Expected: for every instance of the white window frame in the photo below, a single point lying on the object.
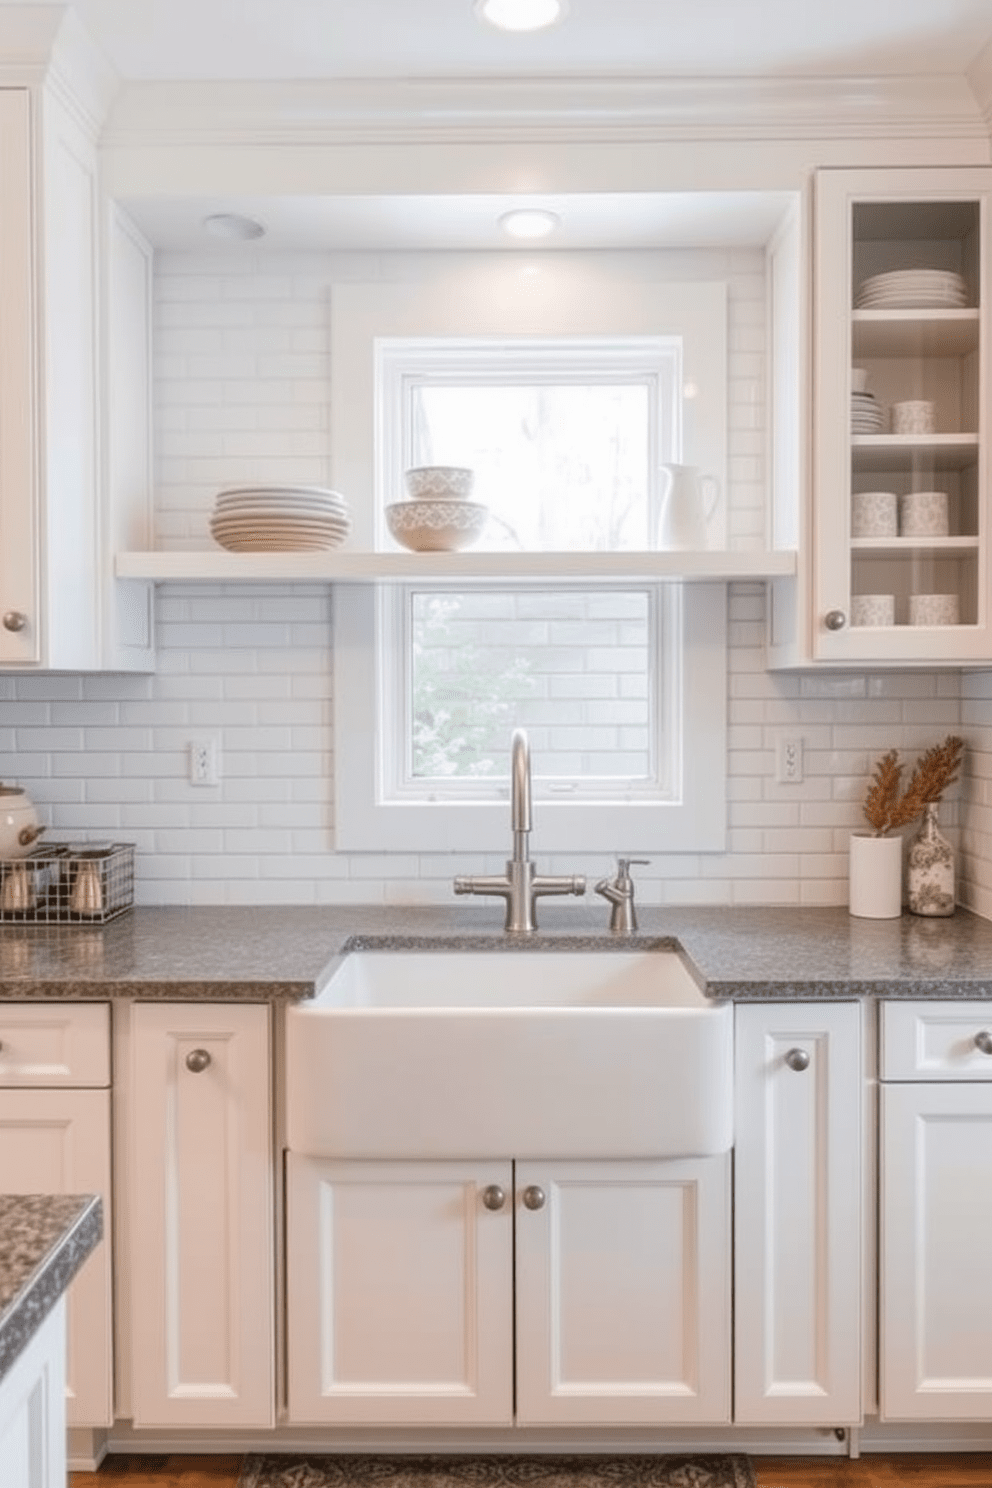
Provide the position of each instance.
(403, 363)
(369, 818)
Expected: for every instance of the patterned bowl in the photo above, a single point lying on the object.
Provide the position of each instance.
(439, 482)
(436, 526)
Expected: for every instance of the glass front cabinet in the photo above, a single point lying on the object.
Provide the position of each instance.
(901, 400)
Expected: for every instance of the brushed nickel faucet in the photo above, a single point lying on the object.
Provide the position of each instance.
(619, 890)
(520, 886)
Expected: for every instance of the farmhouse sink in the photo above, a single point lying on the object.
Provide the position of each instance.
(510, 1054)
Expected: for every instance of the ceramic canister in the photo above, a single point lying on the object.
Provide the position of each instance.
(19, 829)
(923, 514)
(934, 609)
(915, 416)
(873, 609)
(874, 514)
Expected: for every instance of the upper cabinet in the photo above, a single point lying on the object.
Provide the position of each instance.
(70, 464)
(900, 531)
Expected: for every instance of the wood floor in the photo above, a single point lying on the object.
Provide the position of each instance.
(871, 1471)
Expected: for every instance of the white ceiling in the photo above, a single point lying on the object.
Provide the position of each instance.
(308, 39)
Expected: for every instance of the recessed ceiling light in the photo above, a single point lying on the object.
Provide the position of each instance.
(233, 225)
(529, 223)
(520, 15)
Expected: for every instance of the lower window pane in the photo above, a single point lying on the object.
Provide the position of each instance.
(573, 668)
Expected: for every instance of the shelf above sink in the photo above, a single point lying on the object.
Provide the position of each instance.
(337, 566)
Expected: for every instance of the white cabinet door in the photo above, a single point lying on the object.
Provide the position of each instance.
(400, 1292)
(20, 578)
(201, 1222)
(903, 295)
(623, 1292)
(32, 1410)
(798, 1213)
(936, 1245)
(58, 1141)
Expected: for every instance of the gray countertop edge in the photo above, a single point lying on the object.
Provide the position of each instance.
(271, 954)
(55, 1269)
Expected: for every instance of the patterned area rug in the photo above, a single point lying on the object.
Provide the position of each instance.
(360, 1471)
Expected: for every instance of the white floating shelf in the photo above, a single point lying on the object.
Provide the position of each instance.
(342, 567)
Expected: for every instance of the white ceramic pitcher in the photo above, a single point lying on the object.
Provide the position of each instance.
(688, 500)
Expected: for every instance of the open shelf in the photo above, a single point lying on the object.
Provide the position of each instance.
(914, 547)
(903, 451)
(920, 333)
(337, 566)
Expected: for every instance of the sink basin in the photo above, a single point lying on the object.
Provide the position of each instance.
(510, 1054)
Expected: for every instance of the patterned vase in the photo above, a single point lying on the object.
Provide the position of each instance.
(930, 869)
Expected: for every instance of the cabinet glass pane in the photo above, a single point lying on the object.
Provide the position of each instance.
(915, 413)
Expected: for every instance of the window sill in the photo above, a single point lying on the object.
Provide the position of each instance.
(343, 567)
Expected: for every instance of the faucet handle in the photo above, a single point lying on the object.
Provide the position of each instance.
(624, 865)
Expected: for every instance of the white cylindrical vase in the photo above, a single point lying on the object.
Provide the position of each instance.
(875, 884)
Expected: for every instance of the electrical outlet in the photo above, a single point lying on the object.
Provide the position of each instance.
(789, 761)
(203, 762)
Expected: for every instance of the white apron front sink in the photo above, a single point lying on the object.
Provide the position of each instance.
(521, 1054)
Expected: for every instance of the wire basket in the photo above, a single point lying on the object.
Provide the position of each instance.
(85, 883)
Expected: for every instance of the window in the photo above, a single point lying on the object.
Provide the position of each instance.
(566, 436)
(620, 687)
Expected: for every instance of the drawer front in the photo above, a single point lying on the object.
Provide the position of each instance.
(936, 1040)
(54, 1044)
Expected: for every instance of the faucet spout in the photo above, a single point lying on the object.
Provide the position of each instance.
(520, 811)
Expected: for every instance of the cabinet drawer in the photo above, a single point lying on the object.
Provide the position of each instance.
(936, 1040)
(54, 1044)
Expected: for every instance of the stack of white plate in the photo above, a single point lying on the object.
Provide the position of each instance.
(866, 414)
(912, 289)
(279, 519)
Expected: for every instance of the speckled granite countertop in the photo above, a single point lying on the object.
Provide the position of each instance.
(274, 953)
(44, 1239)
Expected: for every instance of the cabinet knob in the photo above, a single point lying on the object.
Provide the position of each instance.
(983, 1041)
(534, 1197)
(835, 619)
(14, 620)
(493, 1197)
(797, 1059)
(197, 1061)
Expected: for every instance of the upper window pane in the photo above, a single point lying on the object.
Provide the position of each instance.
(566, 437)
(560, 466)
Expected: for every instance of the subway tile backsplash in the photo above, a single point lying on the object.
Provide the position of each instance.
(107, 756)
(242, 380)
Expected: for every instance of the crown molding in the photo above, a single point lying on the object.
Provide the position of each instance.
(80, 73)
(48, 46)
(980, 80)
(940, 107)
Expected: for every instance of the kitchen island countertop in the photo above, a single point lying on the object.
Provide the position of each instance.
(44, 1239)
(276, 953)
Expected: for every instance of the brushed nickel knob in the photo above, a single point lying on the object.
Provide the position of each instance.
(197, 1061)
(797, 1059)
(835, 619)
(534, 1197)
(983, 1041)
(493, 1197)
(14, 620)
